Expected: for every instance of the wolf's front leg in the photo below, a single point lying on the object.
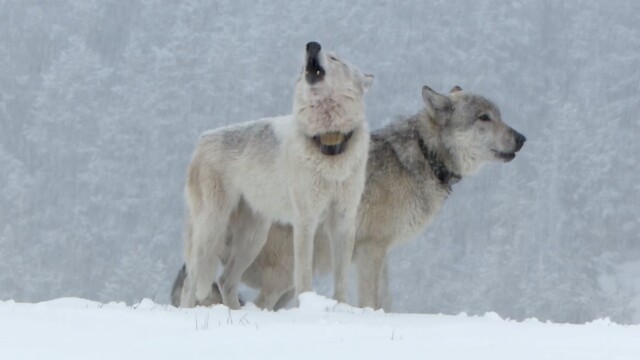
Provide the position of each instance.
(370, 261)
(341, 227)
(305, 222)
(303, 234)
(385, 299)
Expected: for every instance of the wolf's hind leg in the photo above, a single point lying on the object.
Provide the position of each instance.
(249, 234)
(273, 299)
(284, 300)
(210, 226)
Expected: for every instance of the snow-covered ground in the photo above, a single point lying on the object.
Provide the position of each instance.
(72, 328)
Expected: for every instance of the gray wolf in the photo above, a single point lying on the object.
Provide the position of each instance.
(412, 166)
(304, 169)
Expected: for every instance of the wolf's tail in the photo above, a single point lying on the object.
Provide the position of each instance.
(176, 291)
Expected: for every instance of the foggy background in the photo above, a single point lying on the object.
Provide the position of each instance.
(101, 103)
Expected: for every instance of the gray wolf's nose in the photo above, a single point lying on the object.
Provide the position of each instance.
(520, 139)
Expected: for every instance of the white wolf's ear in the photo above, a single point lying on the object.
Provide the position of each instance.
(437, 105)
(367, 80)
(455, 89)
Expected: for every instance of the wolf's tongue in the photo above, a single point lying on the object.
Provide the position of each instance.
(332, 138)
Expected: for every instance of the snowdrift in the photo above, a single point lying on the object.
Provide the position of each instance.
(71, 328)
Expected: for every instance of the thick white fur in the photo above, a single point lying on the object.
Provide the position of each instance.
(244, 177)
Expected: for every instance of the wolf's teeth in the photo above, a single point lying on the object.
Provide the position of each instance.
(318, 72)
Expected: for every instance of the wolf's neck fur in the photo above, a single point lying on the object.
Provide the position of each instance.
(438, 167)
(333, 113)
(440, 159)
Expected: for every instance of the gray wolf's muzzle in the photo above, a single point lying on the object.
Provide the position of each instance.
(332, 143)
(314, 72)
(519, 140)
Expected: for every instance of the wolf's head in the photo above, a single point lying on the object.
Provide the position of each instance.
(328, 101)
(471, 129)
(324, 73)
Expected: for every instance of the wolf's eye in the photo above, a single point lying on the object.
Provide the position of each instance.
(333, 58)
(484, 117)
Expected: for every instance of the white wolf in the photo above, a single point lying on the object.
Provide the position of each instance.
(304, 169)
(412, 164)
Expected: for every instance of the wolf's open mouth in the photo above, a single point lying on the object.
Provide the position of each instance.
(505, 156)
(332, 143)
(314, 72)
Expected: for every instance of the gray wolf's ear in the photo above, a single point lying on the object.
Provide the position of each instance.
(455, 89)
(367, 80)
(437, 105)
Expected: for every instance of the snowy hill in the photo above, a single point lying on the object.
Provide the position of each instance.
(72, 328)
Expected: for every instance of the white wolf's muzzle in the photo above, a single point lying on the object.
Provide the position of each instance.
(314, 72)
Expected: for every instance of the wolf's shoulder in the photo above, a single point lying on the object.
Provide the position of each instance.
(262, 133)
(402, 130)
(390, 140)
(244, 126)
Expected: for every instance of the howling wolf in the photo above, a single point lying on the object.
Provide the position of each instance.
(305, 169)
